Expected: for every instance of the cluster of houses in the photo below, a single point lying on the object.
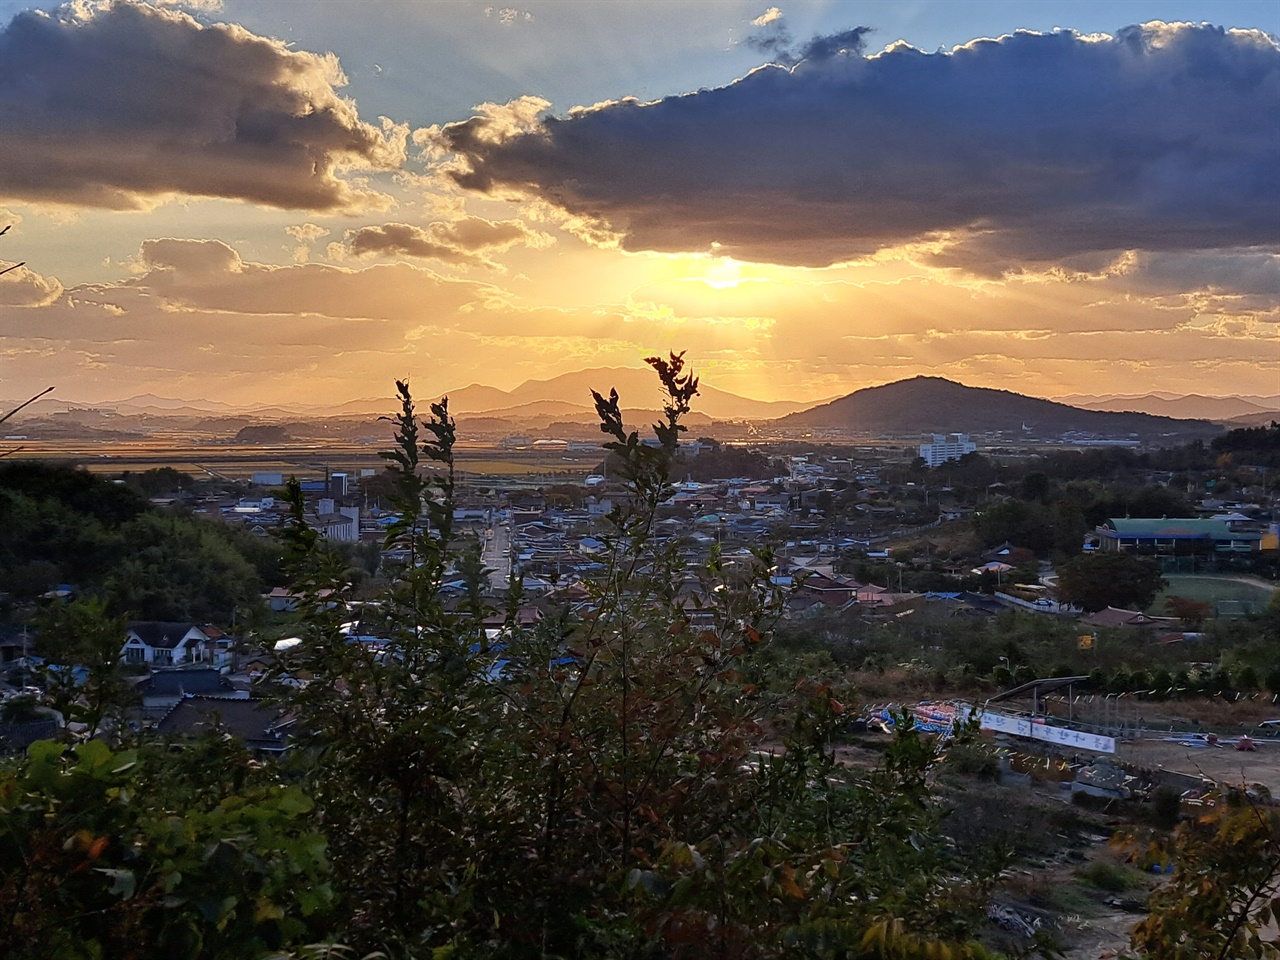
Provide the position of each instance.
(196, 675)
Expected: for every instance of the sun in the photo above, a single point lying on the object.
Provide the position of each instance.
(722, 274)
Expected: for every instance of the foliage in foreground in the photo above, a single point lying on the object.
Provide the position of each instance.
(629, 777)
(139, 854)
(588, 786)
(1224, 899)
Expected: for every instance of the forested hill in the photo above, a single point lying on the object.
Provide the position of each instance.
(62, 526)
(937, 405)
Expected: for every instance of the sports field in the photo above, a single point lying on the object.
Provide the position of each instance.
(1230, 596)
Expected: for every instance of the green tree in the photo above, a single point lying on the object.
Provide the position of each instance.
(587, 787)
(82, 644)
(1273, 680)
(1024, 524)
(1191, 612)
(1095, 581)
(1224, 896)
(179, 568)
(1162, 684)
(130, 854)
(161, 480)
(62, 525)
(1035, 486)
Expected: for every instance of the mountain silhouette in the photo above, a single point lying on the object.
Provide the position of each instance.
(924, 405)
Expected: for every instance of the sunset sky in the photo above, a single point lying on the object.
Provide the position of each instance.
(254, 201)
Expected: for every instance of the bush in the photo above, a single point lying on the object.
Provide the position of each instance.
(1161, 682)
(1166, 808)
(1112, 877)
(20, 710)
(973, 760)
(1273, 680)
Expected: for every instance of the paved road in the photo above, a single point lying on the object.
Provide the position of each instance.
(497, 554)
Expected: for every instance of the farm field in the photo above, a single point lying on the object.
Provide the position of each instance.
(202, 457)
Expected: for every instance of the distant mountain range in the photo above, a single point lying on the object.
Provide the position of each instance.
(936, 405)
(638, 389)
(905, 408)
(1218, 409)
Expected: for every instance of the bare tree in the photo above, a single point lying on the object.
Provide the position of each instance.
(31, 400)
(13, 266)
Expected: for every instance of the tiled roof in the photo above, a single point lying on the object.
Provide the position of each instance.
(251, 720)
(1171, 528)
(190, 680)
(158, 634)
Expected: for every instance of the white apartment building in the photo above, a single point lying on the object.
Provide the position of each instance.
(951, 447)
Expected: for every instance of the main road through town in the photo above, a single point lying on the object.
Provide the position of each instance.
(497, 552)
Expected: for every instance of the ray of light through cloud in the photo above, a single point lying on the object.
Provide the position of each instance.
(305, 199)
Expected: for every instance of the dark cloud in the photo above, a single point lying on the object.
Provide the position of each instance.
(116, 105)
(459, 241)
(774, 39)
(847, 42)
(1245, 273)
(1032, 147)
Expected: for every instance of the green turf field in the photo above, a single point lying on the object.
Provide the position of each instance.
(1230, 596)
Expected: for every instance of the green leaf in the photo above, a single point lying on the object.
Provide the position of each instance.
(123, 882)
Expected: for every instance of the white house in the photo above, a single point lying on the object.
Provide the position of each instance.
(164, 644)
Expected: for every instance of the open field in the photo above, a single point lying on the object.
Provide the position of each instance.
(1222, 763)
(1230, 596)
(306, 459)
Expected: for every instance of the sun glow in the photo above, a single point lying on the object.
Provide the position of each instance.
(723, 274)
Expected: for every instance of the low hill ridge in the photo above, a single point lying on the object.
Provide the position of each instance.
(923, 405)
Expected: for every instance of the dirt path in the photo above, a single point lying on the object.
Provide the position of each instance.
(1221, 763)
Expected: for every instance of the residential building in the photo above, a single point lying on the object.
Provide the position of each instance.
(161, 644)
(263, 727)
(941, 448)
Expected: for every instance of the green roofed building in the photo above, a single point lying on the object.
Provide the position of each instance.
(1177, 536)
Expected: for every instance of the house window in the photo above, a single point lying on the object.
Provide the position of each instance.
(135, 655)
(162, 657)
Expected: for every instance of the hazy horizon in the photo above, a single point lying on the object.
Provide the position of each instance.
(631, 399)
(268, 203)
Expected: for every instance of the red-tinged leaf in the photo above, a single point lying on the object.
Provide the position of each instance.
(836, 706)
(753, 634)
(787, 881)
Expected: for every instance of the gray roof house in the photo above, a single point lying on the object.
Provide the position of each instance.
(158, 643)
(264, 728)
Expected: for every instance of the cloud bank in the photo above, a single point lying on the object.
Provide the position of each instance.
(195, 308)
(119, 104)
(463, 241)
(1031, 147)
